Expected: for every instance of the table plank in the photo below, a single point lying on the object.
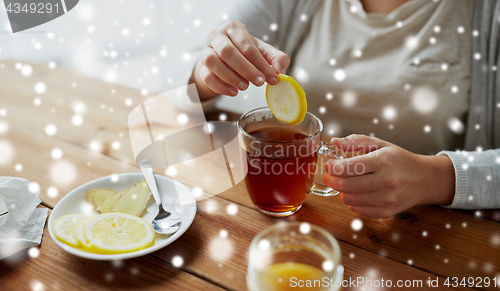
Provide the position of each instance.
(201, 246)
(386, 245)
(55, 269)
(32, 149)
(226, 255)
(473, 250)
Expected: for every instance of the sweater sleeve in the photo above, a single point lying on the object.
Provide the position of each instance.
(477, 179)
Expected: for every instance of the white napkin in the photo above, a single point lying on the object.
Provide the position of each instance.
(22, 226)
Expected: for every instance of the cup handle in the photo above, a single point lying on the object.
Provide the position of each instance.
(333, 152)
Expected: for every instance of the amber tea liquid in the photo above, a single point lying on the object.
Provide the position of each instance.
(279, 176)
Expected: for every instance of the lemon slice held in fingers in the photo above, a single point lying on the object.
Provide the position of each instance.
(287, 100)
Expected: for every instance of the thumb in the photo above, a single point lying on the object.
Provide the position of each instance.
(276, 58)
(359, 143)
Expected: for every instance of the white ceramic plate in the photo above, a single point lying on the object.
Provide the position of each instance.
(176, 197)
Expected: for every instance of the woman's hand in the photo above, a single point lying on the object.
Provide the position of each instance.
(388, 179)
(232, 58)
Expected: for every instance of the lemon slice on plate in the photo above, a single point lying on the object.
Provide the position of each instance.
(287, 100)
(113, 233)
(79, 233)
(65, 228)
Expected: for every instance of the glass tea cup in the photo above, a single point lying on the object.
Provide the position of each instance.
(281, 160)
(294, 256)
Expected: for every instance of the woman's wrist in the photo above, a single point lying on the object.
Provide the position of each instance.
(439, 180)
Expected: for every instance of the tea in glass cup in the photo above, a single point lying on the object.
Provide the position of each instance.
(281, 160)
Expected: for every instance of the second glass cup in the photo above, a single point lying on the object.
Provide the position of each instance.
(281, 160)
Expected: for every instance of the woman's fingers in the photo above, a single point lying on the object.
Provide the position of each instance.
(373, 212)
(359, 143)
(362, 199)
(212, 61)
(276, 58)
(246, 44)
(359, 184)
(355, 166)
(216, 84)
(233, 58)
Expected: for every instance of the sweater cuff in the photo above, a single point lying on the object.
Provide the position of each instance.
(459, 163)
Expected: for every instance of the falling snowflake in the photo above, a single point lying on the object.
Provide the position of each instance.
(232, 209)
(63, 172)
(50, 129)
(356, 224)
(4, 127)
(456, 125)
(182, 118)
(114, 178)
(33, 252)
(349, 98)
(357, 53)
(171, 171)
(305, 228)
(116, 145)
(220, 248)
(36, 285)
(40, 88)
(339, 75)
(264, 245)
(424, 100)
(389, 113)
(301, 74)
(52, 192)
(34, 187)
(411, 42)
(77, 120)
(327, 265)
(56, 153)
(26, 70)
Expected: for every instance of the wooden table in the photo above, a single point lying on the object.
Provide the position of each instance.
(421, 243)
